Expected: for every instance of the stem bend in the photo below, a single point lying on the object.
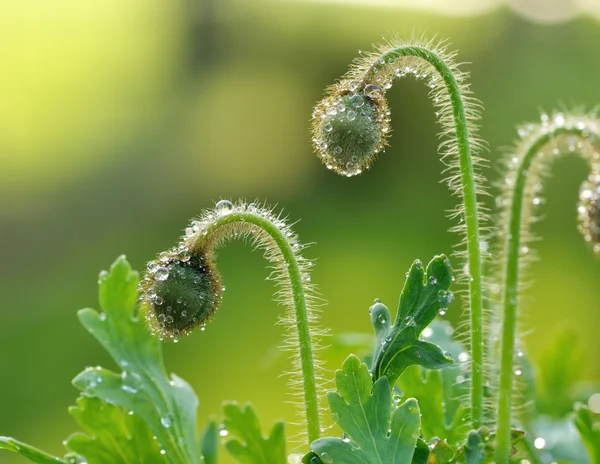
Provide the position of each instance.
(182, 288)
(527, 166)
(351, 126)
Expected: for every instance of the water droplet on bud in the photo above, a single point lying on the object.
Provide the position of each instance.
(224, 207)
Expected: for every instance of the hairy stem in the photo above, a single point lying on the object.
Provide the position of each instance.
(527, 165)
(471, 216)
(182, 288)
(305, 346)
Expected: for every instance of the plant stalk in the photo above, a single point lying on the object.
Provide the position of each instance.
(510, 295)
(471, 217)
(302, 320)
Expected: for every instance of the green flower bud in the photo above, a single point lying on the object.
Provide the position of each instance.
(179, 292)
(350, 127)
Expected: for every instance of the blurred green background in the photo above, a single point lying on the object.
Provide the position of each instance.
(122, 119)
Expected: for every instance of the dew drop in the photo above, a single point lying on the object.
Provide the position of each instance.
(539, 443)
(166, 421)
(594, 403)
(326, 458)
(224, 207)
(559, 119)
(357, 101)
(372, 90)
(161, 273)
(351, 115)
(129, 389)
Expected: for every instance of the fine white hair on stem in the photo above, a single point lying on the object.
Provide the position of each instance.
(347, 138)
(526, 167)
(290, 271)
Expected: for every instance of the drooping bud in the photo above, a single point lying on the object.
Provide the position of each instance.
(588, 211)
(179, 293)
(350, 127)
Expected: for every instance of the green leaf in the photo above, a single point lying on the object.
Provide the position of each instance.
(427, 388)
(421, 455)
(441, 452)
(480, 445)
(378, 431)
(590, 432)
(439, 391)
(474, 448)
(167, 404)
(210, 443)
(398, 346)
(114, 435)
(29, 452)
(247, 444)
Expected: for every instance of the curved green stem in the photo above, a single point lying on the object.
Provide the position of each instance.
(182, 288)
(306, 356)
(518, 223)
(471, 215)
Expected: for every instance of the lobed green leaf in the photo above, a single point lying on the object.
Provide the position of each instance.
(113, 435)
(424, 295)
(439, 391)
(377, 431)
(167, 404)
(247, 444)
(29, 452)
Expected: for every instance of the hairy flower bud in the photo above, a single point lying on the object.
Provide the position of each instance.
(179, 292)
(350, 127)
